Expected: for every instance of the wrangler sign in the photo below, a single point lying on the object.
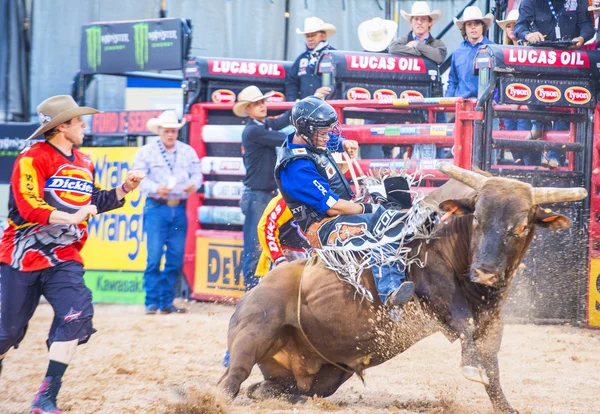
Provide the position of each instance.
(116, 47)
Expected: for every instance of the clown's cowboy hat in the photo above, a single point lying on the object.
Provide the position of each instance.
(167, 119)
(376, 34)
(473, 13)
(421, 8)
(314, 24)
(246, 97)
(57, 110)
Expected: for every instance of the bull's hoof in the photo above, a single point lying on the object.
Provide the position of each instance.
(270, 389)
(475, 374)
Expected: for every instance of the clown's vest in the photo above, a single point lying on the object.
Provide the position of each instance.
(327, 168)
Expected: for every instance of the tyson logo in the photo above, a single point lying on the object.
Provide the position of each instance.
(383, 94)
(410, 94)
(578, 95)
(547, 93)
(223, 96)
(71, 186)
(518, 92)
(358, 94)
(276, 97)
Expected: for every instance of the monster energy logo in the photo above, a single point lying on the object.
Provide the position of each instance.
(140, 32)
(93, 36)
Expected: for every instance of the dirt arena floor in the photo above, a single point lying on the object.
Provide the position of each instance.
(170, 364)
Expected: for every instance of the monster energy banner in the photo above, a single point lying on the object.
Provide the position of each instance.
(116, 47)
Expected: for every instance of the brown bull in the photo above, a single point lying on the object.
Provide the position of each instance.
(309, 334)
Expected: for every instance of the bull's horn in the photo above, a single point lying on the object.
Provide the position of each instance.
(542, 195)
(467, 177)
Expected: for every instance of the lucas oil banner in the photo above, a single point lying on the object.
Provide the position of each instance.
(116, 238)
(116, 47)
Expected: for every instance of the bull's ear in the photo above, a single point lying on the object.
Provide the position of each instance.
(545, 217)
(459, 207)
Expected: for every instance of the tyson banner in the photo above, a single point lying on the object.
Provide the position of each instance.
(547, 92)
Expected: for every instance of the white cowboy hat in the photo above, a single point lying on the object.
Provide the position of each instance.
(473, 13)
(246, 97)
(376, 34)
(314, 24)
(512, 17)
(58, 109)
(421, 8)
(167, 119)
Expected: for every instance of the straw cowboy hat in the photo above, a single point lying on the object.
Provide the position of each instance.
(473, 13)
(58, 109)
(314, 24)
(512, 17)
(246, 97)
(376, 34)
(167, 119)
(421, 8)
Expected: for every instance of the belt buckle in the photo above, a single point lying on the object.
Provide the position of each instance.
(172, 203)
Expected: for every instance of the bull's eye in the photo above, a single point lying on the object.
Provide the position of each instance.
(520, 231)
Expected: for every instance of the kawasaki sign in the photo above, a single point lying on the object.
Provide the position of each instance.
(117, 47)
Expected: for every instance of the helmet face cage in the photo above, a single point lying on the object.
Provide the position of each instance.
(311, 115)
(310, 133)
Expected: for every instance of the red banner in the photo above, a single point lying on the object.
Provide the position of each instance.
(542, 57)
(121, 122)
(385, 63)
(245, 68)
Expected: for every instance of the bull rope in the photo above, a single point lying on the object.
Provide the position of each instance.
(349, 265)
(299, 310)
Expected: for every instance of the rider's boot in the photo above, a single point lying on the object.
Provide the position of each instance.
(401, 295)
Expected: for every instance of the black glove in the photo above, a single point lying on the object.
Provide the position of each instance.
(397, 191)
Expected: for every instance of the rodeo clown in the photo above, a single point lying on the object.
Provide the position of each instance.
(345, 234)
(53, 194)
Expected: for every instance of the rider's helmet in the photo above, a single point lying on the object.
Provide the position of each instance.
(316, 122)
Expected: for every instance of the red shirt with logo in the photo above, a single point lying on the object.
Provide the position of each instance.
(43, 180)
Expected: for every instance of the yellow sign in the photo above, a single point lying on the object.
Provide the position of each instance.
(438, 130)
(219, 267)
(116, 238)
(594, 294)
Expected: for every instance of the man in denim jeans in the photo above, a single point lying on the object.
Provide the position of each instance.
(173, 173)
(260, 138)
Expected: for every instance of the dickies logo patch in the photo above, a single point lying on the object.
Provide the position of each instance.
(71, 186)
(299, 151)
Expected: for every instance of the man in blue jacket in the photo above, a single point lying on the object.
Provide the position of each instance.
(302, 79)
(474, 27)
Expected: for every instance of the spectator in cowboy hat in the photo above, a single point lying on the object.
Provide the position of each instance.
(474, 27)
(521, 157)
(302, 79)
(260, 138)
(172, 174)
(376, 34)
(420, 41)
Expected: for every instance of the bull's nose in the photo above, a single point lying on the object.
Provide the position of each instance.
(485, 278)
